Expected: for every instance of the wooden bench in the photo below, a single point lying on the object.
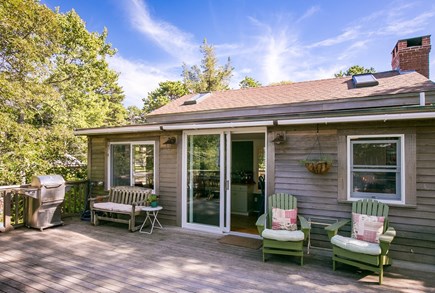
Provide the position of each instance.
(122, 205)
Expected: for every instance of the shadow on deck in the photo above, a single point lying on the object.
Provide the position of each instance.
(79, 257)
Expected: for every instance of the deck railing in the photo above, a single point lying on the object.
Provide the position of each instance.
(13, 204)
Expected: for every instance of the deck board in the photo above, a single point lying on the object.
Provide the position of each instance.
(79, 257)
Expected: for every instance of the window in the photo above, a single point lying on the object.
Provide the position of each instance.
(376, 167)
(132, 164)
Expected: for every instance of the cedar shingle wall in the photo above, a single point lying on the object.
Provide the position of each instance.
(168, 185)
(97, 158)
(167, 178)
(317, 194)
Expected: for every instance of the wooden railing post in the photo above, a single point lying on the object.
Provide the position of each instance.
(2, 213)
(7, 210)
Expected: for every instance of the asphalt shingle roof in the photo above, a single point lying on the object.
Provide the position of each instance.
(390, 83)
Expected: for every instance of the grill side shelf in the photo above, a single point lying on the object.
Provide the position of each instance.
(30, 192)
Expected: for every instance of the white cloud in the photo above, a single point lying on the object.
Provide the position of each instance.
(353, 49)
(174, 41)
(396, 20)
(275, 49)
(138, 79)
(348, 35)
(310, 12)
(401, 26)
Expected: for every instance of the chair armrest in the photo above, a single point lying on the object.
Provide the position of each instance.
(261, 223)
(333, 228)
(388, 236)
(305, 226)
(391, 232)
(386, 239)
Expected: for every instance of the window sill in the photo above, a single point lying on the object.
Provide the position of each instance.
(396, 205)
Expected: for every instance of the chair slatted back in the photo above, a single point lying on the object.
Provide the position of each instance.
(372, 207)
(282, 201)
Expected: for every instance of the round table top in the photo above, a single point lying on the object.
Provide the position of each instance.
(152, 209)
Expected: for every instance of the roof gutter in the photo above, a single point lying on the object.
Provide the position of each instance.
(362, 118)
(115, 130)
(217, 125)
(321, 120)
(162, 127)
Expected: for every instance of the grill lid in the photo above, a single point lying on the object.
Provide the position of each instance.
(48, 181)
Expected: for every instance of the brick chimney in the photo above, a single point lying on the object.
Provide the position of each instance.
(412, 54)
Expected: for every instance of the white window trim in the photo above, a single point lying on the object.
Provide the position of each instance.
(402, 166)
(131, 143)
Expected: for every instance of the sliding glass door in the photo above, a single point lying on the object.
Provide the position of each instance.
(204, 181)
(207, 173)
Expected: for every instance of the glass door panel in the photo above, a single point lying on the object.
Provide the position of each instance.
(203, 179)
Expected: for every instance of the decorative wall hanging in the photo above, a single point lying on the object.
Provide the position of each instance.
(317, 162)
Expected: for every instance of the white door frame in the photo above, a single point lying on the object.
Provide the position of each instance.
(225, 176)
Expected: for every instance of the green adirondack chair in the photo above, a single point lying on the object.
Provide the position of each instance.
(281, 241)
(364, 255)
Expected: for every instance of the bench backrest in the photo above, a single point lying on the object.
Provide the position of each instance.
(128, 194)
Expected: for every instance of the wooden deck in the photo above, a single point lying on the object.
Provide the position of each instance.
(79, 257)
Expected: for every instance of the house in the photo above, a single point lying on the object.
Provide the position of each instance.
(203, 153)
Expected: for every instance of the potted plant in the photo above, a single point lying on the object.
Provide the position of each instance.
(316, 162)
(319, 165)
(152, 200)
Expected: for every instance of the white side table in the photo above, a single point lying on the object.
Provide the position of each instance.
(152, 217)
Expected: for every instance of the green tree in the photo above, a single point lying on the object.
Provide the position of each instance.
(209, 76)
(135, 115)
(355, 69)
(166, 92)
(248, 82)
(88, 87)
(281, 82)
(53, 78)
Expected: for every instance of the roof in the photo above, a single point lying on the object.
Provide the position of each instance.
(390, 83)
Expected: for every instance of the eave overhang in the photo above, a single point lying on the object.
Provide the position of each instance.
(412, 113)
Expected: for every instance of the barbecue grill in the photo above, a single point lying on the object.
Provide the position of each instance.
(44, 206)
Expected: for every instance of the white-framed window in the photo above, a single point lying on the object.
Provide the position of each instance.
(376, 167)
(132, 164)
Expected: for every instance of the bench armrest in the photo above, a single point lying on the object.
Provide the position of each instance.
(139, 203)
(333, 228)
(98, 197)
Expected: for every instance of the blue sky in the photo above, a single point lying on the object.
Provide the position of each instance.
(270, 41)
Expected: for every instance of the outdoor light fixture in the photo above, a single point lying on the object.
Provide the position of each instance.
(279, 139)
(171, 140)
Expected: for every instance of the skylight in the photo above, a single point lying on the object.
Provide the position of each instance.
(196, 99)
(364, 80)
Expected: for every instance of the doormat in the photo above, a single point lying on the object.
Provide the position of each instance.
(241, 241)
